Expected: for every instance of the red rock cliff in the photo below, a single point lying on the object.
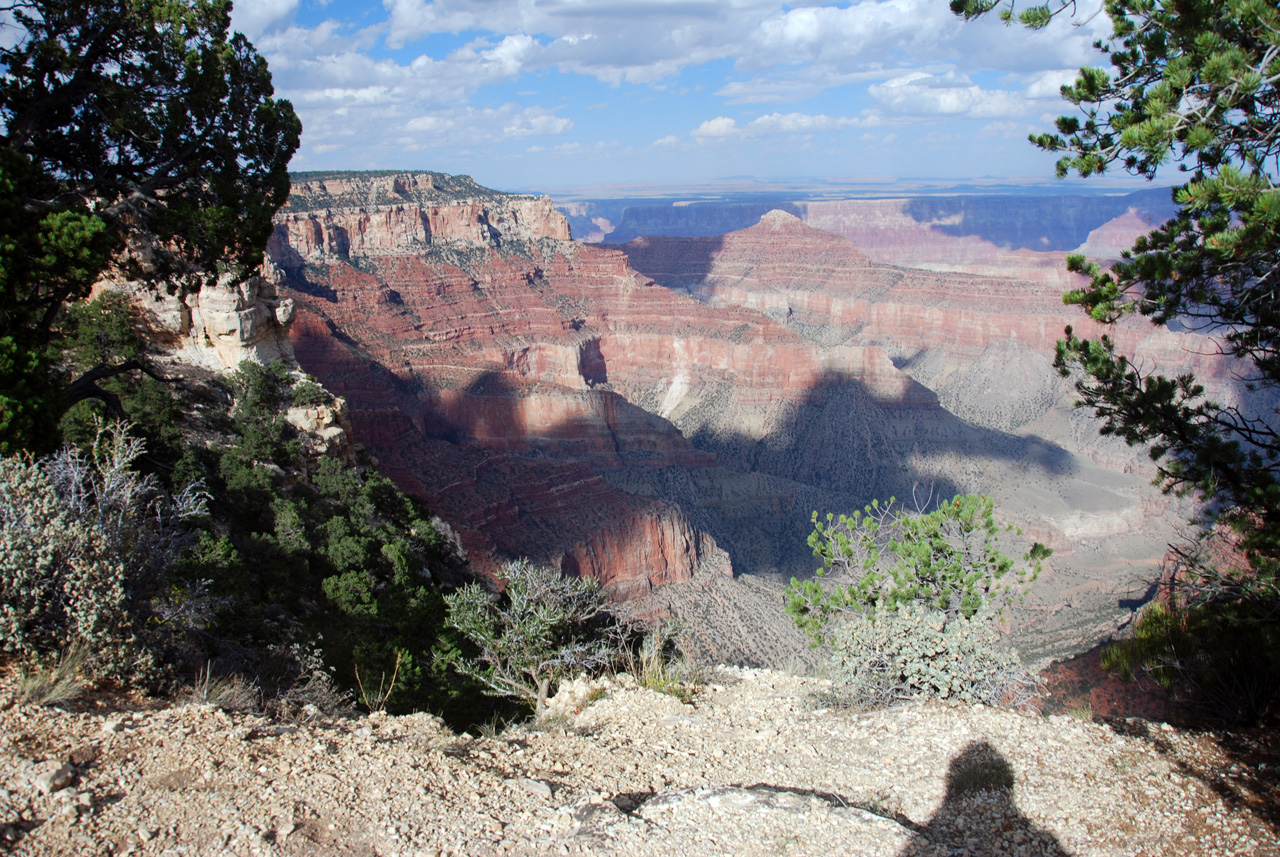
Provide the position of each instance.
(551, 401)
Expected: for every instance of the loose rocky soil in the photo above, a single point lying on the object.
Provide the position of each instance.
(754, 766)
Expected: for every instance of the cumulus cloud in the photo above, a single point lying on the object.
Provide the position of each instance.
(507, 121)
(719, 128)
(725, 127)
(919, 92)
(440, 72)
(1049, 83)
(411, 20)
(255, 17)
(799, 123)
(505, 59)
(535, 122)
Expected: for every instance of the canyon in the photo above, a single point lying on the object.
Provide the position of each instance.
(665, 414)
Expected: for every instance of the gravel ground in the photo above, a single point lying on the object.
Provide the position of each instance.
(750, 767)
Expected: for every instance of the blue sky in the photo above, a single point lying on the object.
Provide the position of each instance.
(558, 94)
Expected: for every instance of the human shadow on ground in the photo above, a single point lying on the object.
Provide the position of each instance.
(978, 816)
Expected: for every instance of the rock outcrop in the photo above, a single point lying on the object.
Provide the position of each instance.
(389, 214)
(225, 321)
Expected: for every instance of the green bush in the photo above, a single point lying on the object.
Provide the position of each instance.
(105, 332)
(1219, 661)
(308, 394)
(331, 560)
(907, 603)
(261, 394)
(544, 627)
(30, 398)
(909, 651)
(948, 559)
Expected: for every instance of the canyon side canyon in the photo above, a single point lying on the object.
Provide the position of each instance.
(666, 413)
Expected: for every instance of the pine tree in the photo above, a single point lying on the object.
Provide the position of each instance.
(139, 133)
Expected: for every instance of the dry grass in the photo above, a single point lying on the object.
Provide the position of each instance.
(661, 665)
(376, 699)
(54, 684)
(230, 693)
(1082, 712)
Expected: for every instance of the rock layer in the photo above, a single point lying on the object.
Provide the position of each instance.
(550, 399)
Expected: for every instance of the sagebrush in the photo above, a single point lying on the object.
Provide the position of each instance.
(543, 627)
(910, 651)
(86, 544)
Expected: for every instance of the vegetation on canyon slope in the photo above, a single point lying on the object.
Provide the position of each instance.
(235, 556)
(142, 139)
(1193, 87)
(546, 627)
(948, 559)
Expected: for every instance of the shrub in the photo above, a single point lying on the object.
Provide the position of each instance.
(85, 542)
(948, 560)
(307, 394)
(1212, 639)
(910, 651)
(261, 393)
(105, 332)
(544, 626)
(30, 398)
(1219, 662)
(662, 666)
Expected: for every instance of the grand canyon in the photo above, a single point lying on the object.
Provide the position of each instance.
(665, 412)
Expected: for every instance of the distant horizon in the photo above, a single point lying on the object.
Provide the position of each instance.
(875, 187)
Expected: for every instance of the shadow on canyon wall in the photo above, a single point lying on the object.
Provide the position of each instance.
(1039, 223)
(678, 263)
(836, 449)
(538, 468)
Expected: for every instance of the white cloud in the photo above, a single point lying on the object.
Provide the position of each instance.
(919, 92)
(888, 62)
(720, 128)
(506, 59)
(799, 123)
(1049, 83)
(255, 17)
(536, 123)
(789, 86)
(508, 121)
(411, 20)
(724, 127)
